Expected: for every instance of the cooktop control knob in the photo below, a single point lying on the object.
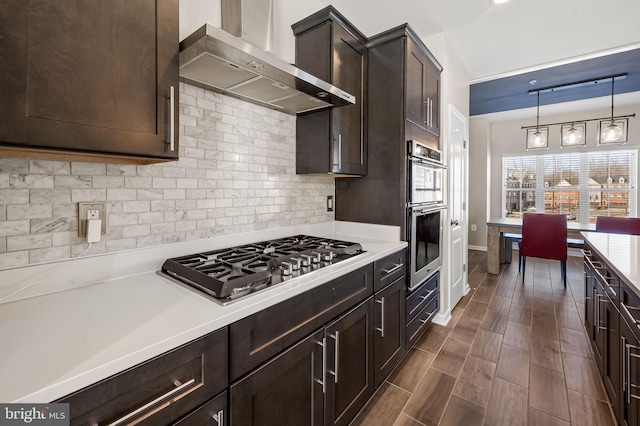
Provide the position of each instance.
(306, 259)
(295, 263)
(327, 256)
(286, 268)
(315, 257)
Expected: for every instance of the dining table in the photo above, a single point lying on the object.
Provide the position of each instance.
(498, 227)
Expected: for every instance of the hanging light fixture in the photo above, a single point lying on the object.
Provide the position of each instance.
(611, 130)
(573, 134)
(614, 131)
(537, 139)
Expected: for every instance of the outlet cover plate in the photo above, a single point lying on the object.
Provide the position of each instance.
(83, 209)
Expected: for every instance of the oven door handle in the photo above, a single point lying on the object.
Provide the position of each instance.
(430, 209)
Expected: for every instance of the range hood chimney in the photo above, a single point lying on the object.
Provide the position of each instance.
(234, 60)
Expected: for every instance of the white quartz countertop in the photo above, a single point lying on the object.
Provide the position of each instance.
(56, 343)
(622, 253)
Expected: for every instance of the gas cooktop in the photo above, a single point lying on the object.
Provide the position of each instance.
(229, 274)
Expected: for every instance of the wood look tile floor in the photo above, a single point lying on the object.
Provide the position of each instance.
(513, 354)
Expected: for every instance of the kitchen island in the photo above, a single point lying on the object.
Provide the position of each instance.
(612, 316)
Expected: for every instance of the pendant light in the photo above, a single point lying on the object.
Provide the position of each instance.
(538, 139)
(573, 136)
(612, 132)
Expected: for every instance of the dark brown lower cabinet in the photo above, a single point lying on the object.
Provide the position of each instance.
(324, 379)
(598, 342)
(211, 413)
(287, 390)
(389, 329)
(590, 292)
(350, 364)
(159, 391)
(611, 370)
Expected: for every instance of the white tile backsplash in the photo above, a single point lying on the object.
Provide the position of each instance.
(236, 174)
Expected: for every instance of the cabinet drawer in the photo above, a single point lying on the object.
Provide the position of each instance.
(422, 320)
(389, 269)
(211, 413)
(255, 339)
(630, 309)
(422, 296)
(157, 391)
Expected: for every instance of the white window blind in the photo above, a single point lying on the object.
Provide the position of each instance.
(581, 185)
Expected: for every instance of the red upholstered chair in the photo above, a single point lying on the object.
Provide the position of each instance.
(544, 236)
(618, 225)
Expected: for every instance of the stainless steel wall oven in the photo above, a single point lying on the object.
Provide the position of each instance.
(425, 208)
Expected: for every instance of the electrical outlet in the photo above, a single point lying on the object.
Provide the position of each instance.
(474, 227)
(329, 203)
(88, 211)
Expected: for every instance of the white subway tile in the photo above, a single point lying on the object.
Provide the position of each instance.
(28, 211)
(150, 217)
(136, 206)
(163, 228)
(108, 182)
(121, 194)
(150, 194)
(30, 181)
(13, 165)
(120, 245)
(47, 167)
(75, 182)
(18, 258)
(93, 169)
(14, 196)
(81, 195)
(162, 205)
(26, 242)
(136, 231)
(117, 219)
(49, 254)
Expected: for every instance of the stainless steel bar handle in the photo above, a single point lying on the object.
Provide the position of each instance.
(426, 296)
(427, 102)
(626, 310)
(219, 417)
(625, 369)
(430, 112)
(381, 329)
(396, 266)
(156, 401)
(597, 309)
(340, 151)
(336, 351)
(323, 381)
(172, 119)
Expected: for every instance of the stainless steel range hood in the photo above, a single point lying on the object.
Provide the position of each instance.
(215, 59)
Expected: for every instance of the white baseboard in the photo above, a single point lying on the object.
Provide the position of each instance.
(480, 248)
(442, 318)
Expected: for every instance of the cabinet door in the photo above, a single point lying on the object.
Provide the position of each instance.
(589, 291)
(287, 390)
(417, 64)
(348, 150)
(390, 327)
(598, 343)
(91, 76)
(432, 99)
(630, 376)
(350, 364)
(611, 371)
(211, 413)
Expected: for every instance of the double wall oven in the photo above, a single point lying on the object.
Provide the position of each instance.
(425, 208)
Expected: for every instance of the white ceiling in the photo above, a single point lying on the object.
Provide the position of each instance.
(521, 34)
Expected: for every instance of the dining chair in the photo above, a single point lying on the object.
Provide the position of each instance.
(618, 225)
(544, 236)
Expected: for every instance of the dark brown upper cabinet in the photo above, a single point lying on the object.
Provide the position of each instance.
(423, 89)
(401, 71)
(89, 80)
(332, 141)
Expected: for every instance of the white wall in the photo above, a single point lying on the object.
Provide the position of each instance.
(479, 172)
(195, 13)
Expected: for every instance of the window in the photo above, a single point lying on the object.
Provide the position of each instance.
(581, 185)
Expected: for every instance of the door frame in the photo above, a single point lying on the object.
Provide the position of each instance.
(444, 316)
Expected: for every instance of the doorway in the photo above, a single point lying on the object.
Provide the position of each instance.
(458, 187)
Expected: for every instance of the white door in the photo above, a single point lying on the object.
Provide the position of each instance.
(457, 205)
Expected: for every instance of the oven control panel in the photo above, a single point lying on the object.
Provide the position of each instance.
(420, 150)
